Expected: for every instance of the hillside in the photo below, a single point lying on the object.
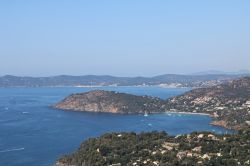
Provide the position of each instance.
(167, 80)
(228, 103)
(112, 102)
(160, 149)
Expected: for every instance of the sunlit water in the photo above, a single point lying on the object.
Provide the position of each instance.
(34, 134)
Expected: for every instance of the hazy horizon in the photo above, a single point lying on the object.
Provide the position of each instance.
(123, 38)
(209, 72)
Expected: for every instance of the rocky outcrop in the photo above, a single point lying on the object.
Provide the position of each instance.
(111, 102)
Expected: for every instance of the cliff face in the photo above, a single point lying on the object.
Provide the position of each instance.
(228, 103)
(111, 102)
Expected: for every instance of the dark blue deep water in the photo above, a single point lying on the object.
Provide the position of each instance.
(34, 134)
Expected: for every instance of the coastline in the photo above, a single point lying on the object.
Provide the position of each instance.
(139, 113)
(214, 122)
(97, 86)
(219, 123)
(190, 113)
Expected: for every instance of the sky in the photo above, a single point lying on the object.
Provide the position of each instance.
(123, 38)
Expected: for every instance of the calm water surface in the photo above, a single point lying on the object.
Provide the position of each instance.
(34, 134)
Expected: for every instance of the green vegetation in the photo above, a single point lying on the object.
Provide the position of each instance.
(158, 148)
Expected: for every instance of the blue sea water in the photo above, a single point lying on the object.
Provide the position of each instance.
(34, 134)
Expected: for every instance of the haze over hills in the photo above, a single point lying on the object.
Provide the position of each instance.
(218, 72)
(167, 80)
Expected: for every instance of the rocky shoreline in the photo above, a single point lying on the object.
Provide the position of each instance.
(214, 122)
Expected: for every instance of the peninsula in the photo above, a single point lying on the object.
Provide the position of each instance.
(112, 102)
(228, 104)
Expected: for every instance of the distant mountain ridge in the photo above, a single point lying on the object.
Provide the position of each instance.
(239, 72)
(167, 80)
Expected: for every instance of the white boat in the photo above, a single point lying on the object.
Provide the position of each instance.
(145, 114)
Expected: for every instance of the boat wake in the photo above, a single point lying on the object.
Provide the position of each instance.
(11, 150)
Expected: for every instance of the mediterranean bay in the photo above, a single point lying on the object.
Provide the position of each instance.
(33, 133)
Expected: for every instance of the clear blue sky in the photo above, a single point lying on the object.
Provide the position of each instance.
(123, 38)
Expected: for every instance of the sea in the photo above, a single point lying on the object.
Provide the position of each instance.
(32, 133)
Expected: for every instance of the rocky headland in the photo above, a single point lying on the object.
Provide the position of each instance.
(112, 102)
